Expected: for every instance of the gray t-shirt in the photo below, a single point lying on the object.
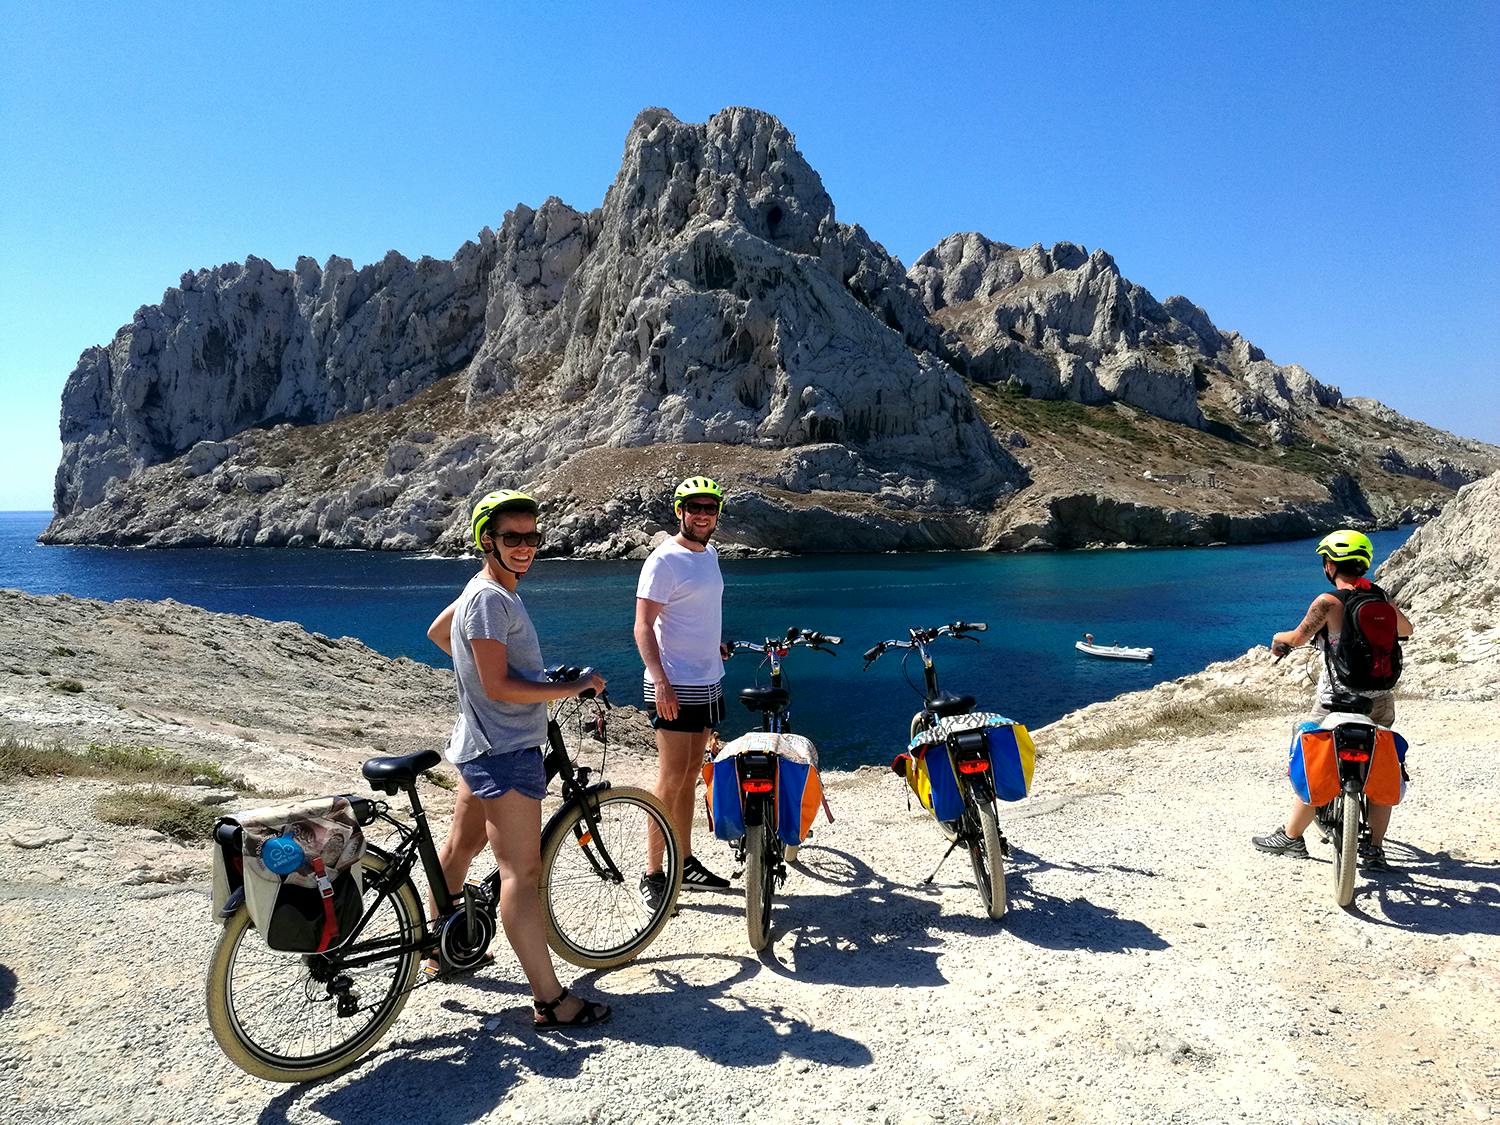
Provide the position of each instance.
(488, 610)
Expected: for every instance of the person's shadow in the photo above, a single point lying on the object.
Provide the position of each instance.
(460, 1076)
(1432, 893)
(8, 985)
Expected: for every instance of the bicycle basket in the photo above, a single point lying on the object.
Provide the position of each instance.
(1011, 751)
(311, 907)
(799, 788)
(1313, 766)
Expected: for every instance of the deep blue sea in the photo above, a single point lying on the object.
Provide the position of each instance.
(1193, 606)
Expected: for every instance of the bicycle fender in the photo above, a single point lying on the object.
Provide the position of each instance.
(568, 806)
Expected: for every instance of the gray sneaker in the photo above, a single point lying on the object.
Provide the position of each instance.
(1372, 858)
(1279, 843)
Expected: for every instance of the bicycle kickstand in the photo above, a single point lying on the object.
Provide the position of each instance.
(942, 861)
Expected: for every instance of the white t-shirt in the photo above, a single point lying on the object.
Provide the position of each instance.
(688, 630)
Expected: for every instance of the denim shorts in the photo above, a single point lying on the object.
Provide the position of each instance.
(494, 775)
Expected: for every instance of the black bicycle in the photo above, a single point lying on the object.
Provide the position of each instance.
(293, 1018)
(977, 828)
(1345, 821)
(761, 850)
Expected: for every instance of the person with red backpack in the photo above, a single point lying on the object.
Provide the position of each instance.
(1358, 630)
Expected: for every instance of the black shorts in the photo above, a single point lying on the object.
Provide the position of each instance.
(692, 718)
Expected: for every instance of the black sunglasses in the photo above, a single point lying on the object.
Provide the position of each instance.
(708, 509)
(516, 538)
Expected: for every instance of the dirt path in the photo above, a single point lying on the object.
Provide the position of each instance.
(1154, 967)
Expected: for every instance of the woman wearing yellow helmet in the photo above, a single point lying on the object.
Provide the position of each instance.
(498, 737)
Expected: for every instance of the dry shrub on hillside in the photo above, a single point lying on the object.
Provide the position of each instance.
(159, 811)
(127, 763)
(1178, 718)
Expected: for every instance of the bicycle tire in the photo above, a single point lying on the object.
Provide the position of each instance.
(760, 882)
(988, 859)
(239, 949)
(591, 921)
(1346, 855)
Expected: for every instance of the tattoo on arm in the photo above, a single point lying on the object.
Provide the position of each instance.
(1317, 617)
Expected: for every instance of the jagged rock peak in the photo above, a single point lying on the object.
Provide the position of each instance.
(742, 165)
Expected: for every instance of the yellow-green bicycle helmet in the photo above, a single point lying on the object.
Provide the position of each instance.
(697, 486)
(1347, 546)
(503, 500)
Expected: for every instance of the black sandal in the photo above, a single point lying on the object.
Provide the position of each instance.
(586, 1016)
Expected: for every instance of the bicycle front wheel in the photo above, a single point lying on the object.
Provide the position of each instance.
(596, 914)
(760, 881)
(987, 855)
(1346, 855)
(276, 1015)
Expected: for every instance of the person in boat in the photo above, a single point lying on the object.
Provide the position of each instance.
(1088, 638)
(498, 739)
(1346, 556)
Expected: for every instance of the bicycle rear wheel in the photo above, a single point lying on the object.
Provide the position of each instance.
(760, 881)
(1346, 848)
(275, 1015)
(595, 919)
(987, 855)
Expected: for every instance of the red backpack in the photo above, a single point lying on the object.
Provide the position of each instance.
(1368, 655)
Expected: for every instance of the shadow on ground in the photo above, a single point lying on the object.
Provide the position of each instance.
(462, 1075)
(1431, 893)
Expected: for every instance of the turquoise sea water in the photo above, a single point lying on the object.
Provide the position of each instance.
(1193, 606)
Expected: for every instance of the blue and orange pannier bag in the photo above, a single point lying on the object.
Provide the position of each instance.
(930, 770)
(1313, 766)
(799, 789)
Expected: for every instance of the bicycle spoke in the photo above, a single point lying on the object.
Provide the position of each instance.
(593, 913)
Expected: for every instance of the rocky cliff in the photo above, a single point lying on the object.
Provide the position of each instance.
(714, 316)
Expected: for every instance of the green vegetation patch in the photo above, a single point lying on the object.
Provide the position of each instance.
(159, 811)
(125, 763)
(1011, 405)
(1180, 718)
(442, 779)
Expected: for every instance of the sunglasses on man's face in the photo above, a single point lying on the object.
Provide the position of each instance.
(709, 509)
(516, 538)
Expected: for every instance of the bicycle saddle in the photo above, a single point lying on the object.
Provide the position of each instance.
(949, 704)
(405, 767)
(764, 698)
(1348, 704)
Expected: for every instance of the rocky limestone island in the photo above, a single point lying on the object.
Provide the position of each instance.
(713, 316)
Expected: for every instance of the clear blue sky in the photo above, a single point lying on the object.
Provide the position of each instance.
(1323, 178)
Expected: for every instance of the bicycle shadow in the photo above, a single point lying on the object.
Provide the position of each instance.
(1053, 922)
(892, 934)
(9, 985)
(1427, 893)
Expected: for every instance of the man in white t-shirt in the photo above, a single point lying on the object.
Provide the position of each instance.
(678, 626)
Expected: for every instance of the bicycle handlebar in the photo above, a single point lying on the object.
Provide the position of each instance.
(572, 673)
(925, 636)
(809, 638)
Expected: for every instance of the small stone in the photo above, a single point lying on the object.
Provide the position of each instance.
(40, 838)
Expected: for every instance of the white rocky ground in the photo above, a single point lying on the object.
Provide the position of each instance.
(1154, 967)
